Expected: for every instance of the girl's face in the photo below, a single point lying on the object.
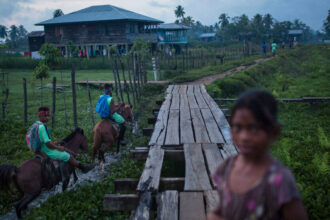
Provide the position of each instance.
(248, 135)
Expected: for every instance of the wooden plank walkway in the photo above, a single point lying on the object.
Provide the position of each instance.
(190, 122)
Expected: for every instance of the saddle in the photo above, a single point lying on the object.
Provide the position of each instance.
(113, 122)
(52, 171)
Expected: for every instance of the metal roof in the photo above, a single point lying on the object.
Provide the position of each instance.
(173, 26)
(204, 35)
(99, 13)
(296, 31)
(36, 34)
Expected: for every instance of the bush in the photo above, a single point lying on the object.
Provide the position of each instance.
(230, 87)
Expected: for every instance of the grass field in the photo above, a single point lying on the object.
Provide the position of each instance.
(305, 142)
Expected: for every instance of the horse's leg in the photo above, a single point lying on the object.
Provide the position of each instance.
(65, 183)
(75, 178)
(97, 142)
(23, 203)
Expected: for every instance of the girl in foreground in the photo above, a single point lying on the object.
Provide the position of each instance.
(253, 184)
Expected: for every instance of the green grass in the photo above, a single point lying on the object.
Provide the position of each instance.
(178, 76)
(13, 149)
(305, 142)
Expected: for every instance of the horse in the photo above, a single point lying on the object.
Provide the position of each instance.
(28, 177)
(105, 133)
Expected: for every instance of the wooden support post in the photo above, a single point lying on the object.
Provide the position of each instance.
(118, 78)
(74, 96)
(126, 87)
(90, 102)
(115, 77)
(54, 102)
(25, 101)
(126, 202)
(131, 85)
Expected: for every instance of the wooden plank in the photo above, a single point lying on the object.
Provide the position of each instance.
(172, 134)
(211, 200)
(175, 102)
(192, 206)
(184, 104)
(176, 89)
(200, 100)
(228, 150)
(142, 212)
(167, 102)
(176, 155)
(192, 101)
(169, 89)
(222, 124)
(196, 175)
(201, 135)
(168, 205)
(190, 89)
(197, 88)
(172, 183)
(158, 134)
(128, 185)
(186, 130)
(117, 202)
(183, 89)
(213, 158)
(149, 180)
(211, 126)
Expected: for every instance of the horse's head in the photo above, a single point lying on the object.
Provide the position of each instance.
(76, 140)
(127, 113)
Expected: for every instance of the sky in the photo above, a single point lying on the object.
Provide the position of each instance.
(30, 12)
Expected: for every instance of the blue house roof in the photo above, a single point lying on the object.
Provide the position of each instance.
(99, 13)
(205, 35)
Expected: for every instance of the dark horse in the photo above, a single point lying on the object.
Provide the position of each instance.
(105, 133)
(28, 176)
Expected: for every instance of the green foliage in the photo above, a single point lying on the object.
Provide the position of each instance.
(41, 71)
(52, 55)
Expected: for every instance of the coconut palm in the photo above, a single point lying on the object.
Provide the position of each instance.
(3, 31)
(22, 32)
(179, 12)
(57, 13)
(13, 33)
(223, 20)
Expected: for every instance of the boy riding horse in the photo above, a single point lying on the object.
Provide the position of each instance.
(113, 112)
(52, 149)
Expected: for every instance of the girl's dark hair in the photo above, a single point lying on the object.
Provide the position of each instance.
(262, 104)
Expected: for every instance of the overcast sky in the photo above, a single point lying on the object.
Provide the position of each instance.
(29, 12)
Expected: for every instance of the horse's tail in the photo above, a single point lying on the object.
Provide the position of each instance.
(8, 174)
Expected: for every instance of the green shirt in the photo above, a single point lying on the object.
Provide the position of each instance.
(44, 138)
(274, 46)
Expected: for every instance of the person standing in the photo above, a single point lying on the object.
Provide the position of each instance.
(264, 49)
(274, 45)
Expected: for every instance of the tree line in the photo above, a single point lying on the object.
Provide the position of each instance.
(259, 28)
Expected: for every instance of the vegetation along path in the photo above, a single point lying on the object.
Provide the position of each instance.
(209, 79)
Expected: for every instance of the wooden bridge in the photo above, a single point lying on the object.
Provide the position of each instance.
(191, 127)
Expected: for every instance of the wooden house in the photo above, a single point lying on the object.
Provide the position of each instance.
(36, 40)
(95, 28)
(172, 33)
(208, 37)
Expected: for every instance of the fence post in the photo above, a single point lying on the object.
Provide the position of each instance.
(118, 78)
(130, 79)
(115, 77)
(4, 105)
(90, 102)
(74, 96)
(126, 87)
(65, 113)
(54, 102)
(25, 101)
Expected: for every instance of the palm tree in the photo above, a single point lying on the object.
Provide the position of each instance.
(3, 31)
(179, 12)
(223, 20)
(326, 25)
(13, 33)
(267, 22)
(57, 13)
(189, 21)
(22, 32)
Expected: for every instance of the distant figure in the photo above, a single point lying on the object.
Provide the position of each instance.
(283, 44)
(264, 49)
(253, 184)
(274, 45)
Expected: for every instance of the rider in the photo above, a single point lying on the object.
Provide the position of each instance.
(114, 115)
(52, 149)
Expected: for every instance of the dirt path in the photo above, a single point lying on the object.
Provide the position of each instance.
(209, 79)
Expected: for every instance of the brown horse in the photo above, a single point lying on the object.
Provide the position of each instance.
(28, 176)
(105, 133)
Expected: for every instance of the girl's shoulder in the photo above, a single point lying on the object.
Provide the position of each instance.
(223, 169)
